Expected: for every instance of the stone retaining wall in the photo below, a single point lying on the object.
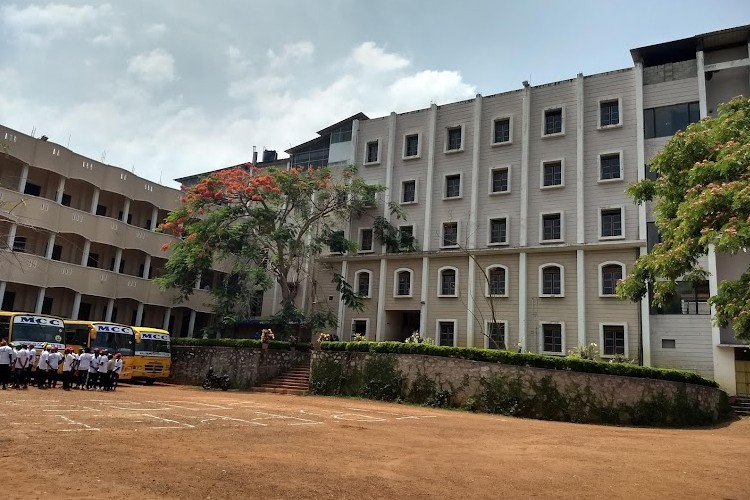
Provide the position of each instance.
(462, 380)
(246, 367)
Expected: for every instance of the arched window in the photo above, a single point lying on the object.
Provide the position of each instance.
(448, 282)
(363, 282)
(497, 281)
(402, 282)
(551, 280)
(609, 274)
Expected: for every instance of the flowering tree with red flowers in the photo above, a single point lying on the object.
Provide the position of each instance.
(702, 198)
(263, 226)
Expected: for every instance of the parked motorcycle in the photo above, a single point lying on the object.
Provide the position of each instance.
(215, 381)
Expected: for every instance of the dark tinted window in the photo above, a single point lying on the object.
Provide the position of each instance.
(668, 120)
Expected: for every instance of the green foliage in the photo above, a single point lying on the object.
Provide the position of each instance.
(522, 359)
(702, 198)
(590, 351)
(326, 376)
(240, 343)
(382, 379)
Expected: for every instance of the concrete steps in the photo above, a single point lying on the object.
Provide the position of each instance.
(295, 381)
(741, 406)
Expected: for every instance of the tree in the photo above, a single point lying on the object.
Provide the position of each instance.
(701, 198)
(263, 226)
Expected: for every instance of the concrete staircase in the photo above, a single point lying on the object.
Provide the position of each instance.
(296, 381)
(741, 406)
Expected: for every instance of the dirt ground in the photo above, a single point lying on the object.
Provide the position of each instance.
(183, 442)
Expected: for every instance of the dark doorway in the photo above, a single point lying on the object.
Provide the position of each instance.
(399, 325)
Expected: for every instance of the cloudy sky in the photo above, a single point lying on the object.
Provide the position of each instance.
(174, 87)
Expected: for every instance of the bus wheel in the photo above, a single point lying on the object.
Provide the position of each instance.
(150, 381)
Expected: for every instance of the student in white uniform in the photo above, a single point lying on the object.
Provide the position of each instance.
(91, 383)
(32, 356)
(42, 368)
(117, 370)
(19, 367)
(101, 368)
(53, 361)
(68, 368)
(6, 356)
(84, 363)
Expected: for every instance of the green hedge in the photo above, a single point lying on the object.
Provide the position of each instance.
(523, 359)
(246, 343)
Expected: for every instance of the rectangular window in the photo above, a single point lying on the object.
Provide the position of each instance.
(611, 223)
(19, 244)
(552, 174)
(32, 189)
(447, 331)
(551, 281)
(552, 337)
(404, 283)
(553, 121)
(500, 178)
(668, 120)
(409, 192)
(365, 242)
(92, 260)
(453, 186)
(411, 145)
(609, 113)
(611, 274)
(609, 167)
(551, 227)
(406, 237)
(689, 299)
(498, 231)
(496, 277)
(101, 210)
(66, 199)
(668, 344)
(372, 152)
(448, 282)
(56, 252)
(359, 326)
(502, 131)
(337, 242)
(450, 234)
(363, 284)
(454, 139)
(341, 134)
(496, 335)
(614, 340)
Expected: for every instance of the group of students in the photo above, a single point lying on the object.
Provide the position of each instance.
(95, 370)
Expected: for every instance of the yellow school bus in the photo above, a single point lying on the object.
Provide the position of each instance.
(111, 337)
(29, 328)
(153, 356)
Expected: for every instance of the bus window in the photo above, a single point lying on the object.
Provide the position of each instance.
(77, 335)
(4, 327)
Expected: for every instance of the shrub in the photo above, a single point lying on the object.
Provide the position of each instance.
(241, 343)
(382, 379)
(522, 359)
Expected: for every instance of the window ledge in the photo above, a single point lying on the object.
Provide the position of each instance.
(608, 296)
(500, 144)
(609, 181)
(551, 295)
(609, 127)
(498, 244)
(491, 296)
(441, 296)
(365, 251)
(452, 151)
(371, 163)
(408, 203)
(551, 353)
(545, 242)
(553, 186)
(449, 198)
(403, 296)
(550, 136)
(609, 238)
(497, 193)
(449, 247)
(415, 157)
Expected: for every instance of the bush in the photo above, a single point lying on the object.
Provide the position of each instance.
(522, 359)
(243, 343)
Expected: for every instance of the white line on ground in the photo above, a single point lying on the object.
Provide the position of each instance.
(365, 418)
(83, 408)
(181, 424)
(222, 417)
(73, 422)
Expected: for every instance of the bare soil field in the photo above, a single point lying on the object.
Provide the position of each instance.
(163, 441)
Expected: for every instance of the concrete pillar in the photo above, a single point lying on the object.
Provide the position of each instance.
(40, 300)
(167, 315)
(473, 224)
(3, 285)
(342, 308)
(380, 326)
(85, 254)
(191, 324)
(50, 246)
(126, 210)
(146, 267)
(723, 357)
(702, 104)
(76, 306)
(23, 179)
(118, 259)
(154, 217)
(11, 236)
(94, 201)
(522, 300)
(60, 190)
(523, 223)
(581, 296)
(139, 314)
(110, 307)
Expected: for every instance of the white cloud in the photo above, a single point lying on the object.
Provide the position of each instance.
(155, 30)
(156, 66)
(420, 89)
(374, 58)
(292, 53)
(40, 24)
(116, 36)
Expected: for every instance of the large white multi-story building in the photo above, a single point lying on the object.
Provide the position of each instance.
(516, 206)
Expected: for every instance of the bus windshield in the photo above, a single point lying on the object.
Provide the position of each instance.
(114, 342)
(152, 347)
(39, 332)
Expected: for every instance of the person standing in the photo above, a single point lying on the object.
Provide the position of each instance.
(91, 382)
(74, 372)
(6, 355)
(117, 370)
(19, 367)
(110, 373)
(84, 363)
(53, 362)
(32, 356)
(42, 368)
(68, 368)
(101, 367)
